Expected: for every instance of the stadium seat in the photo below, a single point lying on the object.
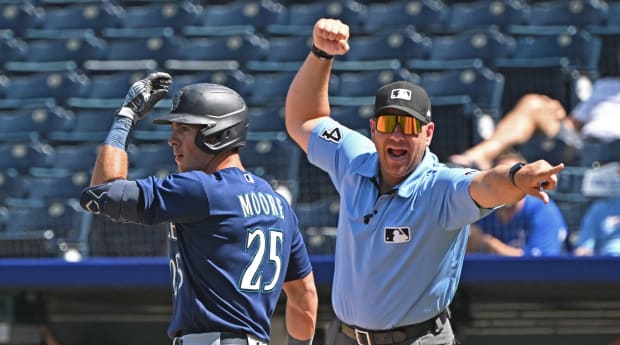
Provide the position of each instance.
(482, 85)
(51, 222)
(426, 16)
(598, 153)
(235, 79)
(484, 13)
(59, 85)
(257, 14)
(13, 49)
(49, 183)
(165, 14)
(10, 184)
(560, 12)
(366, 83)
(91, 125)
(142, 44)
(268, 120)
(93, 16)
(580, 48)
(276, 160)
(37, 122)
(19, 17)
(608, 65)
(78, 156)
(613, 15)
(305, 14)
(288, 48)
(114, 84)
(354, 117)
(78, 49)
(269, 88)
(24, 155)
(233, 47)
(401, 44)
(485, 44)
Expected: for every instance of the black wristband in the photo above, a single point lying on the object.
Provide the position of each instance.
(513, 170)
(320, 53)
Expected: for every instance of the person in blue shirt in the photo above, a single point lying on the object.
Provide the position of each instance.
(599, 232)
(395, 287)
(234, 243)
(527, 227)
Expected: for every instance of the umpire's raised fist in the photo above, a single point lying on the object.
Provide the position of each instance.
(143, 95)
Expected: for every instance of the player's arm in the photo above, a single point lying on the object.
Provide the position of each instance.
(307, 100)
(110, 193)
(112, 162)
(499, 186)
(301, 309)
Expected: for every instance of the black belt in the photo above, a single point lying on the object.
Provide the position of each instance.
(395, 335)
(223, 336)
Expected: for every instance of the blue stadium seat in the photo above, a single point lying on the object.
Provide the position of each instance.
(53, 221)
(13, 49)
(608, 65)
(482, 85)
(10, 184)
(401, 44)
(169, 14)
(142, 44)
(268, 119)
(78, 49)
(269, 88)
(288, 48)
(94, 16)
(60, 85)
(20, 17)
(580, 48)
(561, 12)
(235, 79)
(37, 122)
(276, 160)
(234, 47)
(114, 84)
(305, 14)
(257, 14)
(78, 156)
(24, 155)
(613, 15)
(486, 44)
(354, 117)
(91, 125)
(426, 15)
(49, 183)
(366, 83)
(599, 153)
(483, 13)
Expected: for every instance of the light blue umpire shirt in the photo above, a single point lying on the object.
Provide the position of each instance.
(401, 265)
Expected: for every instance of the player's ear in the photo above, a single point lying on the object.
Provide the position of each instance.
(373, 127)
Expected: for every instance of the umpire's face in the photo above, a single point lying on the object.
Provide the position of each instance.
(187, 155)
(399, 153)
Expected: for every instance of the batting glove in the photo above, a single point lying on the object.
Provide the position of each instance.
(144, 94)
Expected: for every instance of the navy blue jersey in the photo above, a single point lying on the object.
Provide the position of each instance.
(233, 241)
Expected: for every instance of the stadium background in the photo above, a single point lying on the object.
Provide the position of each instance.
(67, 64)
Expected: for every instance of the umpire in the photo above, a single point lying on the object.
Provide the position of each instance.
(234, 243)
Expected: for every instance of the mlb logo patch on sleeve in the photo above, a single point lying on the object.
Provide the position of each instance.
(397, 234)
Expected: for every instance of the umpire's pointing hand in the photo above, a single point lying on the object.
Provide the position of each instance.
(144, 94)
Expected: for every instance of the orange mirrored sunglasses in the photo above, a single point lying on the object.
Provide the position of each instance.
(409, 125)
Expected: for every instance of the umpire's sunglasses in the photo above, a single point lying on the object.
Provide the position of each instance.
(409, 125)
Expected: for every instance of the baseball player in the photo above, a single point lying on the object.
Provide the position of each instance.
(390, 289)
(234, 244)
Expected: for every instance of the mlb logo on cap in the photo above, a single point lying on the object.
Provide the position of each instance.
(401, 94)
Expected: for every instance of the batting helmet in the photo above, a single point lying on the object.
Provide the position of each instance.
(221, 110)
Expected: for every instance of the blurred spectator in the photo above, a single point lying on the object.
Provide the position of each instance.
(595, 119)
(528, 227)
(599, 233)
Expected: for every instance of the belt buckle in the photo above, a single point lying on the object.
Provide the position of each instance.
(362, 335)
